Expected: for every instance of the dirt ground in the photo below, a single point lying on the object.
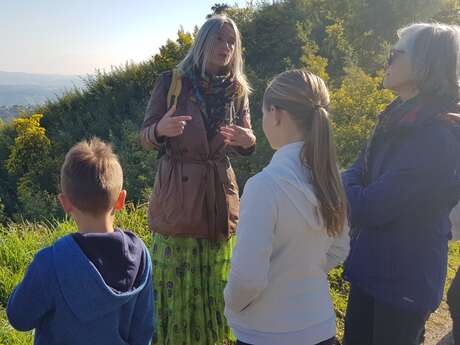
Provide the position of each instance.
(439, 327)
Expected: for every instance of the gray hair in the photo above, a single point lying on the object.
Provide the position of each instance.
(434, 53)
(203, 45)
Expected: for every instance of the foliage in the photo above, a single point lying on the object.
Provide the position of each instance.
(31, 146)
(330, 38)
(355, 105)
(29, 162)
(111, 107)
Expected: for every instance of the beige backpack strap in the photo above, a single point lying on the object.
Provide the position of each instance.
(175, 88)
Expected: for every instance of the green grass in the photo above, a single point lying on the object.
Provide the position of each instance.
(20, 242)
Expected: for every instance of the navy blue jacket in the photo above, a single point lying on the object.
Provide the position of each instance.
(400, 217)
(66, 299)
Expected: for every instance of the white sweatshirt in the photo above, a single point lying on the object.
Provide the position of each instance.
(278, 279)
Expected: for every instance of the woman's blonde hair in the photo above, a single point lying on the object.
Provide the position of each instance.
(305, 97)
(203, 45)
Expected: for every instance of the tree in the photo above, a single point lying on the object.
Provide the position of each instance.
(271, 40)
(7, 182)
(3, 217)
(173, 51)
(138, 164)
(374, 24)
(355, 106)
(449, 13)
(29, 162)
(218, 9)
(31, 147)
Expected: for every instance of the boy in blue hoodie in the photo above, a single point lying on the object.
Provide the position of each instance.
(94, 286)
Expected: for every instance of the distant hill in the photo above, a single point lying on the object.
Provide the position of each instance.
(18, 88)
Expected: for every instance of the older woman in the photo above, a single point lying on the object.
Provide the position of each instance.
(401, 191)
(194, 206)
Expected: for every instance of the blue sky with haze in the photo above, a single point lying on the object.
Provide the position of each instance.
(79, 36)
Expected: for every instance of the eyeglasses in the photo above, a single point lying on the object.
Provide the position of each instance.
(393, 54)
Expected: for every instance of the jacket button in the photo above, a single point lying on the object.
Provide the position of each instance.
(184, 179)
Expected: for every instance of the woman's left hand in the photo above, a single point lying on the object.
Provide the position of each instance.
(239, 136)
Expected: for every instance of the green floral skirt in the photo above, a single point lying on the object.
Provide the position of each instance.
(189, 276)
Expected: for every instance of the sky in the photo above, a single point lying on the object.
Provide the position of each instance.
(77, 37)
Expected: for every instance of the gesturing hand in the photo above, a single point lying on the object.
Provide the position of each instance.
(239, 136)
(170, 125)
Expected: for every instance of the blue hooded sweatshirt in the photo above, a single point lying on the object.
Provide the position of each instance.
(65, 298)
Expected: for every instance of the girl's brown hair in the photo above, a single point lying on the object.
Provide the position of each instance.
(306, 98)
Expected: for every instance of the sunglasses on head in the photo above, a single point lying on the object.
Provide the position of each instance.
(393, 54)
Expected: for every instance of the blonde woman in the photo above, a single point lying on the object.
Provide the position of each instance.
(193, 210)
(293, 226)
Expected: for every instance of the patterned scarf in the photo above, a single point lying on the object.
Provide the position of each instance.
(216, 96)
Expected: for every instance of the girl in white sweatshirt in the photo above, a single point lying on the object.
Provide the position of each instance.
(293, 227)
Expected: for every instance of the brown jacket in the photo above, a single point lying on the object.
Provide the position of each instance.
(195, 192)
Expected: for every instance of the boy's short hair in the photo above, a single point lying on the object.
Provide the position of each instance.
(91, 176)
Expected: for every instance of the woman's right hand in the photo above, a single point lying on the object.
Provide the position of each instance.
(170, 125)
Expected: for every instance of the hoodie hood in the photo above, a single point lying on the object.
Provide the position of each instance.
(83, 286)
(294, 179)
(118, 256)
